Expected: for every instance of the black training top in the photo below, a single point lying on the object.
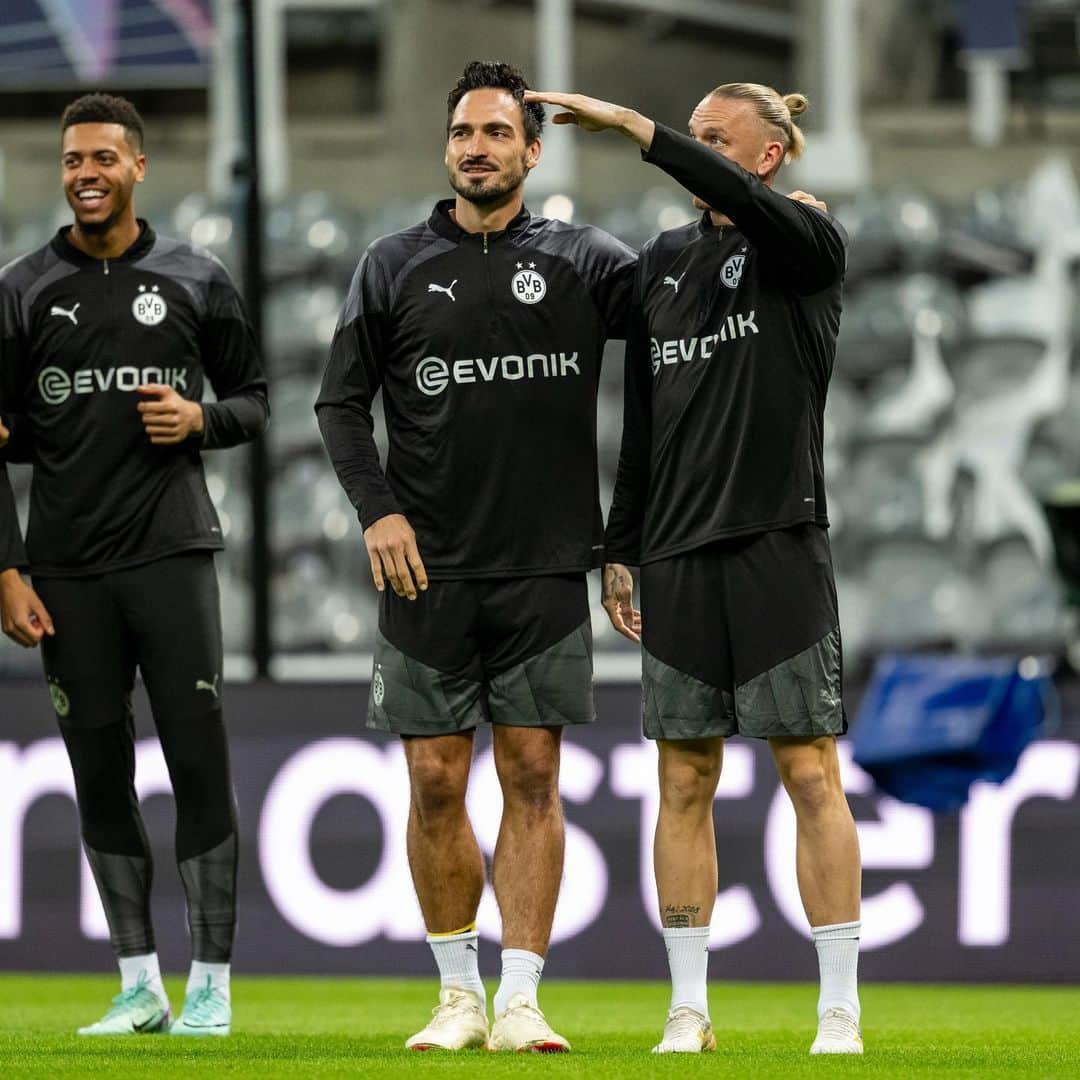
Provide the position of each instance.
(77, 336)
(729, 354)
(488, 350)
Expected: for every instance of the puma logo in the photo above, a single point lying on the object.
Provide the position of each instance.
(448, 289)
(202, 684)
(674, 282)
(56, 309)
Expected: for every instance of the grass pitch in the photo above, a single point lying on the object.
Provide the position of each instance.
(355, 1027)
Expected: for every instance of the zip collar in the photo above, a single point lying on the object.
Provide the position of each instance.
(444, 225)
(721, 232)
(62, 245)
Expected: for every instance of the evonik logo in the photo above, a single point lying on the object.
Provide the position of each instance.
(56, 385)
(700, 348)
(433, 374)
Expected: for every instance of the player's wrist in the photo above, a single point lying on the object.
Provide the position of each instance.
(198, 418)
(637, 127)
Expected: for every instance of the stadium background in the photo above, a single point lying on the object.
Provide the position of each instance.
(944, 134)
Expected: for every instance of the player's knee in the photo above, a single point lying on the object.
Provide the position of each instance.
(688, 778)
(531, 780)
(809, 782)
(198, 758)
(437, 785)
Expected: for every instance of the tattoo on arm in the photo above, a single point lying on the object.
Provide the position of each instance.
(681, 915)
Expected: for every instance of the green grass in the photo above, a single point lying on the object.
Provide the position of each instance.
(355, 1027)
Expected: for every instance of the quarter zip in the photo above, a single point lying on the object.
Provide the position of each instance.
(493, 322)
(106, 262)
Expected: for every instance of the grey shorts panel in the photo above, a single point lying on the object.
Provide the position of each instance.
(554, 688)
(798, 697)
(676, 705)
(411, 698)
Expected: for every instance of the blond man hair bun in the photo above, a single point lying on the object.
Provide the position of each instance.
(773, 108)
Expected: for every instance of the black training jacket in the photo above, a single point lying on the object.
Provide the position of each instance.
(487, 348)
(729, 354)
(77, 335)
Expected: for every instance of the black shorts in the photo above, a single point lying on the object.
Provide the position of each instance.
(163, 617)
(742, 637)
(517, 651)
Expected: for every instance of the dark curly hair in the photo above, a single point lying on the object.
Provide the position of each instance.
(105, 109)
(495, 75)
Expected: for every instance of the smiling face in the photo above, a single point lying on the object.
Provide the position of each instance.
(99, 170)
(733, 129)
(487, 155)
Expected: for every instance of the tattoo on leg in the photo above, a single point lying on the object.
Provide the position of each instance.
(680, 916)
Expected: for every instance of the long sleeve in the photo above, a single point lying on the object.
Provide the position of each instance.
(233, 367)
(352, 378)
(806, 246)
(626, 521)
(12, 359)
(12, 551)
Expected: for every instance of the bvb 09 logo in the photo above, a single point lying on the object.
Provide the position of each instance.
(528, 286)
(149, 308)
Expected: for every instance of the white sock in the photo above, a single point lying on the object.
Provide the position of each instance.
(218, 974)
(838, 960)
(145, 967)
(521, 971)
(457, 958)
(688, 957)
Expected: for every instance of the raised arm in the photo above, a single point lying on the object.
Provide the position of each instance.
(806, 244)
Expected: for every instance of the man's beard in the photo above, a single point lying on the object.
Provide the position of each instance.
(485, 196)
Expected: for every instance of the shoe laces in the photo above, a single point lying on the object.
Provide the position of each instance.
(457, 1004)
(838, 1024)
(524, 1007)
(683, 1021)
(202, 1002)
(130, 996)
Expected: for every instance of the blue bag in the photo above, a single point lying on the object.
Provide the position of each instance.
(928, 727)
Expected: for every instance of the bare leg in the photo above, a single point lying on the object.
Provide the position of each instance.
(827, 848)
(528, 864)
(444, 857)
(684, 854)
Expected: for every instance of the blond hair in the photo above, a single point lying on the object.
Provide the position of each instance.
(773, 108)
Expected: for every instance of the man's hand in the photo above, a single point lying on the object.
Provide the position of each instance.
(168, 417)
(618, 601)
(592, 114)
(22, 614)
(810, 200)
(4, 435)
(391, 546)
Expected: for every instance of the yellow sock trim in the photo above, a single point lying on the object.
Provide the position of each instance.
(453, 933)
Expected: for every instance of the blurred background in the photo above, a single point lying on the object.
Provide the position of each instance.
(944, 134)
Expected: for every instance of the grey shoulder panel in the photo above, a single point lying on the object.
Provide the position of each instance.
(194, 268)
(31, 275)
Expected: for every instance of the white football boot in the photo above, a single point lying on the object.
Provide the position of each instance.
(458, 1022)
(522, 1028)
(686, 1032)
(838, 1033)
(135, 1011)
